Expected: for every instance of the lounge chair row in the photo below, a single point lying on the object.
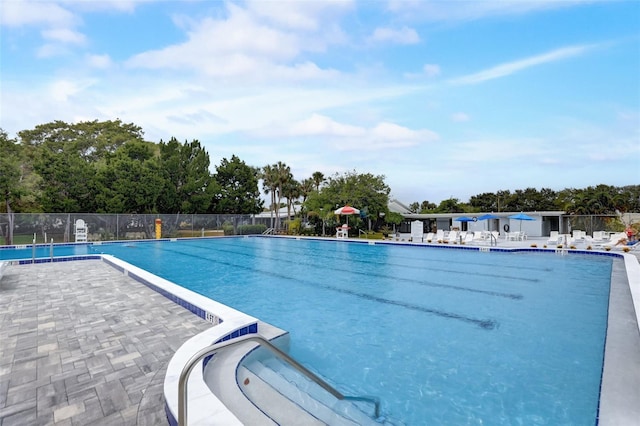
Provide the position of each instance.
(600, 239)
(461, 236)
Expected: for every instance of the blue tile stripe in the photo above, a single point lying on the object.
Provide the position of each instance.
(55, 259)
(207, 316)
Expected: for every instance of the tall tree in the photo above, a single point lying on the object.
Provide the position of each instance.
(270, 186)
(364, 191)
(291, 191)
(282, 177)
(318, 179)
(67, 180)
(188, 181)
(10, 182)
(130, 181)
(93, 140)
(236, 188)
(306, 188)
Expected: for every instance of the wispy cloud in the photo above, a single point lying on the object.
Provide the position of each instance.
(20, 13)
(64, 35)
(509, 68)
(402, 35)
(464, 10)
(431, 70)
(459, 117)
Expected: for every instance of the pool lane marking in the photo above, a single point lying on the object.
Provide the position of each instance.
(402, 265)
(422, 259)
(512, 296)
(486, 324)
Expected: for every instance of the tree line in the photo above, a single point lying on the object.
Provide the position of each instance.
(593, 200)
(108, 167)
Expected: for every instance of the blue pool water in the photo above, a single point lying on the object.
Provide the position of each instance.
(441, 336)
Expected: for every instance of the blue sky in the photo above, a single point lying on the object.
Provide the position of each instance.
(445, 98)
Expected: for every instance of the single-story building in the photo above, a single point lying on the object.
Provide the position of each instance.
(541, 225)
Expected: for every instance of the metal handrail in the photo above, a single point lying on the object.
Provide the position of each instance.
(492, 239)
(201, 354)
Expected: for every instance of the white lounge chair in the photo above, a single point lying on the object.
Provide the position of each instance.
(553, 237)
(578, 234)
(429, 237)
(439, 235)
(615, 241)
(452, 237)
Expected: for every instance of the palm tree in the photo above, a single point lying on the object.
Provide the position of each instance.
(282, 177)
(306, 186)
(270, 185)
(291, 191)
(318, 179)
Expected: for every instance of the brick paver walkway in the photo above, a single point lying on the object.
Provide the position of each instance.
(81, 343)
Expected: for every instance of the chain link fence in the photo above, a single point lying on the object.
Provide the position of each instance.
(111, 227)
(591, 223)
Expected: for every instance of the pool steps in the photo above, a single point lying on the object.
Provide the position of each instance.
(274, 393)
(299, 391)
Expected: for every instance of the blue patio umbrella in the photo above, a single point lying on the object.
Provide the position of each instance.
(488, 216)
(521, 217)
(464, 219)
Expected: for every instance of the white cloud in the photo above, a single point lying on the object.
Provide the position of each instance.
(347, 137)
(62, 90)
(509, 68)
(459, 117)
(20, 13)
(64, 35)
(464, 10)
(240, 47)
(431, 70)
(300, 15)
(403, 35)
(319, 125)
(390, 135)
(49, 50)
(99, 61)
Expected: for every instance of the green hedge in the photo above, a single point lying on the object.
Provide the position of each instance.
(251, 229)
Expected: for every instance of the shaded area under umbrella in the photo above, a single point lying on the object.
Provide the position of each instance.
(347, 210)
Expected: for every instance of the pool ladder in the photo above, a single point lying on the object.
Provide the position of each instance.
(210, 350)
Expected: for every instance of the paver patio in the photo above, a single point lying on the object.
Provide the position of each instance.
(81, 343)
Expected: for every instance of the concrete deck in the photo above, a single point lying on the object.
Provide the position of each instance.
(79, 351)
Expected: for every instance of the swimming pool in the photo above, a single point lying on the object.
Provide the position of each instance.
(453, 336)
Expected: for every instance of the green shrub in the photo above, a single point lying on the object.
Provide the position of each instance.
(227, 227)
(251, 229)
(294, 226)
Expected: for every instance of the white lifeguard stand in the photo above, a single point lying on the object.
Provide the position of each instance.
(81, 231)
(342, 232)
(417, 231)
